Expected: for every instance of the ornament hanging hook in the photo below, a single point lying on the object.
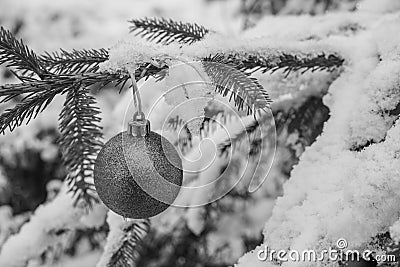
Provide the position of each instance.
(136, 95)
(139, 126)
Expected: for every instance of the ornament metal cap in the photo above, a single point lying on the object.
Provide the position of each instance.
(139, 126)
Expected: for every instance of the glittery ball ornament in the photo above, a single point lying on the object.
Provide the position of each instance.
(138, 173)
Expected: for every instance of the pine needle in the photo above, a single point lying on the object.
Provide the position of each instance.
(166, 31)
(80, 141)
(15, 54)
(30, 107)
(244, 90)
(250, 63)
(77, 61)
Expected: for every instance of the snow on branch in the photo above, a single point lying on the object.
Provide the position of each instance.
(227, 63)
(45, 229)
(123, 241)
(350, 172)
(246, 54)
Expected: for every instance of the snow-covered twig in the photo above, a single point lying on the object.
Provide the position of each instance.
(123, 241)
(46, 228)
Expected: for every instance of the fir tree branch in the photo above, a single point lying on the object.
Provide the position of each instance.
(80, 140)
(242, 88)
(32, 86)
(305, 120)
(88, 61)
(212, 121)
(238, 138)
(39, 94)
(77, 61)
(9, 91)
(166, 31)
(62, 72)
(251, 63)
(31, 106)
(321, 62)
(17, 55)
(184, 140)
(210, 115)
(126, 254)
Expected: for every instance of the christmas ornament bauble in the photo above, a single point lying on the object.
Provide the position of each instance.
(138, 176)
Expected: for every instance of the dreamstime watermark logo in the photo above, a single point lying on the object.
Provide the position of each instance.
(340, 253)
(187, 90)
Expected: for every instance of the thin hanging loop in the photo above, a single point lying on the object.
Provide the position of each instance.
(139, 126)
(136, 95)
(135, 90)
